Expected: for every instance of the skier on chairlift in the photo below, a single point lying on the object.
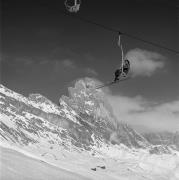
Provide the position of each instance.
(121, 74)
(122, 71)
(125, 67)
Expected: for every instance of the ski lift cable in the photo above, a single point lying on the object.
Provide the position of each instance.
(122, 33)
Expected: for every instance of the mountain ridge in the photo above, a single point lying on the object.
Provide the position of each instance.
(80, 114)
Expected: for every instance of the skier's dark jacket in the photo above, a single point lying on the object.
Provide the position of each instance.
(126, 68)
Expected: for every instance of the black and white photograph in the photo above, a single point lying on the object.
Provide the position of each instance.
(89, 90)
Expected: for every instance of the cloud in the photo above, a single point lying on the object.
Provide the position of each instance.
(64, 53)
(24, 60)
(90, 71)
(68, 63)
(144, 63)
(143, 114)
(21, 60)
(43, 61)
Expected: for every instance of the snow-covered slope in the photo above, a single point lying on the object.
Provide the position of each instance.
(81, 133)
(15, 166)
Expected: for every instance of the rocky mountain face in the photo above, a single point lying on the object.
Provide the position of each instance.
(94, 109)
(163, 139)
(81, 121)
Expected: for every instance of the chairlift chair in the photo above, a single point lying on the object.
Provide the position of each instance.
(73, 6)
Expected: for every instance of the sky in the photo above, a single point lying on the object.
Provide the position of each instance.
(44, 51)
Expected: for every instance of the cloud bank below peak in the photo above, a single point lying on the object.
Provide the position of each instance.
(144, 114)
